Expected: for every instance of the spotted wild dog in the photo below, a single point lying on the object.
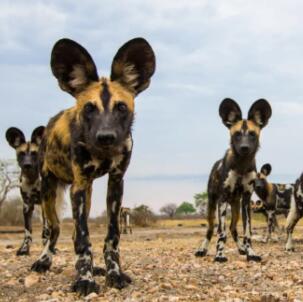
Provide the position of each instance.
(125, 215)
(28, 161)
(87, 141)
(282, 197)
(258, 207)
(272, 197)
(231, 178)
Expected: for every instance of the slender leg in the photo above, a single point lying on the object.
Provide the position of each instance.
(235, 215)
(48, 193)
(292, 219)
(45, 230)
(84, 283)
(114, 277)
(222, 207)
(246, 218)
(270, 224)
(28, 209)
(211, 215)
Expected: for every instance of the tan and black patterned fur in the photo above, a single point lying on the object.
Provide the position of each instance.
(28, 161)
(87, 141)
(231, 178)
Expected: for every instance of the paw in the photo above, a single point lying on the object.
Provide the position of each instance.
(242, 252)
(254, 258)
(220, 259)
(23, 251)
(290, 249)
(118, 281)
(41, 266)
(201, 253)
(99, 271)
(84, 287)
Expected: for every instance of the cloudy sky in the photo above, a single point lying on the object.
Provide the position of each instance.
(206, 51)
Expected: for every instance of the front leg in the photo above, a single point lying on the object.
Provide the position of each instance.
(114, 276)
(270, 224)
(222, 207)
(28, 209)
(246, 218)
(85, 283)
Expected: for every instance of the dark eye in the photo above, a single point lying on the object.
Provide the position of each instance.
(34, 153)
(252, 134)
(122, 107)
(89, 108)
(21, 154)
(237, 134)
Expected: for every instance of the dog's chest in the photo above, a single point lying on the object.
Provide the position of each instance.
(30, 191)
(95, 167)
(237, 182)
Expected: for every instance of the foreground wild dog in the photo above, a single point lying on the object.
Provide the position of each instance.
(87, 141)
(231, 178)
(28, 160)
(281, 197)
(125, 215)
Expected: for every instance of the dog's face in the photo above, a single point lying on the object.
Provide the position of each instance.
(260, 183)
(105, 107)
(245, 133)
(27, 152)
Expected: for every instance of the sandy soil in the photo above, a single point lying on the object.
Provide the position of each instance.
(163, 267)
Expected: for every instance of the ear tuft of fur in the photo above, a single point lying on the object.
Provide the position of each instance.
(266, 169)
(37, 135)
(230, 112)
(260, 112)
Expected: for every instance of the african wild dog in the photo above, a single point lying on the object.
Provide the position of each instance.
(282, 197)
(125, 215)
(259, 207)
(87, 141)
(271, 195)
(231, 178)
(27, 158)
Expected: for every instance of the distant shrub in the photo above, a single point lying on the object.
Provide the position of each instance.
(11, 212)
(143, 216)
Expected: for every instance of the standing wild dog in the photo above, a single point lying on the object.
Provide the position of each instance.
(272, 196)
(281, 197)
(87, 141)
(231, 178)
(125, 215)
(27, 157)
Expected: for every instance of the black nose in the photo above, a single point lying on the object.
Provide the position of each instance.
(106, 138)
(244, 149)
(27, 166)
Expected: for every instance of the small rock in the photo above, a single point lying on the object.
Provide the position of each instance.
(91, 296)
(31, 279)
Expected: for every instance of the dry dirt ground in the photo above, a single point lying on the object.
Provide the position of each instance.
(163, 267)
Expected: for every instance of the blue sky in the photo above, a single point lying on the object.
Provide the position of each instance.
(205, 50)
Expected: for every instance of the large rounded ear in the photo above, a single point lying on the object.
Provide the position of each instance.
(230, 112)
(266, 169)
(73, 66)
(260, 112)
(133, 65)
(15, 137)
(37, 135)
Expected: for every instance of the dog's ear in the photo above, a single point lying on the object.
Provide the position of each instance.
(73, 66)
(260, 112)
(230, 112)
(133, 65)
(37, 135)
(15, 137)
(266, 169)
